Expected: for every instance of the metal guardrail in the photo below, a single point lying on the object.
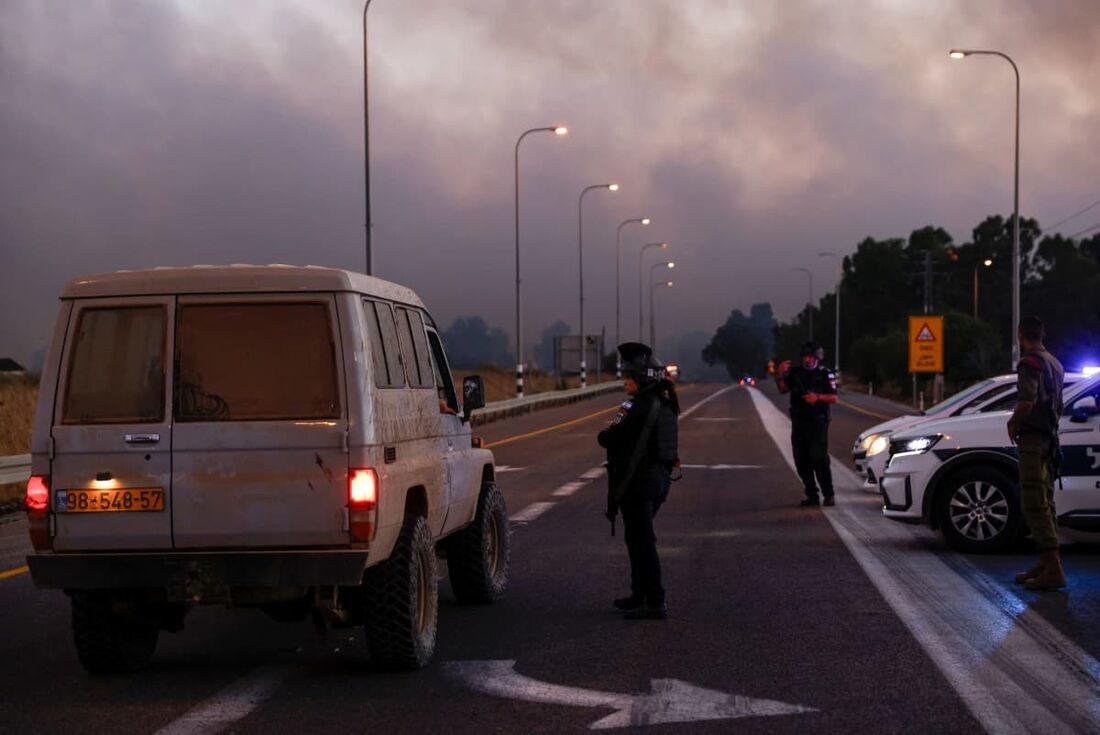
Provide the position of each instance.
(17, 467)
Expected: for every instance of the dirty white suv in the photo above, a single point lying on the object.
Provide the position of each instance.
(287, 438)
(960, 475)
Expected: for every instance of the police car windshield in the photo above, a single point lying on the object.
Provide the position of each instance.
(959, 397)
(1088, 385)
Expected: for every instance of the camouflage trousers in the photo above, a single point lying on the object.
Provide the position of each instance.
(1037, 489)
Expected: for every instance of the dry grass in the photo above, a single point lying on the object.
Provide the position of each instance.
(17, 401)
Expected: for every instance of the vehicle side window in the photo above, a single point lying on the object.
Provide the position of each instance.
(255, 362)
(979, 400)
(384, 353)
(414, 348)
(1006, 402)
(116, 368)
(443, 383)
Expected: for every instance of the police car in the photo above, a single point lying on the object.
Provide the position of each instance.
(869, 453)
(960, 475)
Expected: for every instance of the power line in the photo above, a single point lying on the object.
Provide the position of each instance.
(1085, 231)
(1075, 215)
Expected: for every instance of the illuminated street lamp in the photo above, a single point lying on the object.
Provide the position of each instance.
(656, 266)
(647, 246)
(839, 280)
(557, 130)
(653, 313)
(618, 286)
(987, 262)
(810, 309)
(580, 251)
(962, 54)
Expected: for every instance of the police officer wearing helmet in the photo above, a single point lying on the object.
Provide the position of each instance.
(812, 386)
(641, 443)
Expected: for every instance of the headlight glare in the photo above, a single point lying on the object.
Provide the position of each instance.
(880, 444)
(914, 445)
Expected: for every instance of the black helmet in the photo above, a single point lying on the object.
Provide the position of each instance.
(638, 362)
(812, 348)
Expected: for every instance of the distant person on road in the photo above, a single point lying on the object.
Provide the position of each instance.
(1033, 427)
(642, 452)
(812, 386)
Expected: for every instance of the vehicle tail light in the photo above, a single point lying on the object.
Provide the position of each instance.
(37, 502)
(362, 503)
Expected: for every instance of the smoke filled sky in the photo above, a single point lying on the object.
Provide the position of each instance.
(755, 134)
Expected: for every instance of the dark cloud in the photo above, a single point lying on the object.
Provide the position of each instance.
(754, 133)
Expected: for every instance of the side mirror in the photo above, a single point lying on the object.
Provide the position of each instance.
(1083, 409)
(473, 394)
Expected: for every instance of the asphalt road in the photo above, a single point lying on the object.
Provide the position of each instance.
(795, 620)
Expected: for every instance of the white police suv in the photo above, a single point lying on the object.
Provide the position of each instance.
(960, 475)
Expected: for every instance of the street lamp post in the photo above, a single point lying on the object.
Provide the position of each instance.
(618, 287)
(647, 246)
(652, 330)
(558, 130)
(987, 262)
(652, 310)
(839, 281)
(962, 54)
(810, 304)
(580, 251)
(366, 148)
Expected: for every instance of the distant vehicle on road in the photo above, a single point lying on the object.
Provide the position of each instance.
(749, 381)
(672, 372)
(869, 454)
(960, 475)
(256, 436)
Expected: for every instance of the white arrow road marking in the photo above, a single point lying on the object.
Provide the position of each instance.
(721, 466)
(531, 512)
(502, 468)
(1014, 670)
(230, 705)
(671, 700)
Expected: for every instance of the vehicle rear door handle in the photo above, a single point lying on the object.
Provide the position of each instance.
(142, 438)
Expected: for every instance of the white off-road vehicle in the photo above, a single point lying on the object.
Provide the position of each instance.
(287, 438)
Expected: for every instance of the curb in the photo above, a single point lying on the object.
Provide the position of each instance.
(517, 406)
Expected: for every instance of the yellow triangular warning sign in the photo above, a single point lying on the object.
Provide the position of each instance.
(925, 335)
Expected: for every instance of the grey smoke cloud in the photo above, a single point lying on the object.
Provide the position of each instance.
(135, 134)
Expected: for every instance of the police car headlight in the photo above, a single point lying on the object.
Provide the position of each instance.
(914, 445)
(879, 444)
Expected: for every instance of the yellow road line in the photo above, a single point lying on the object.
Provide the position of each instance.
(548, 429)
(13, 572)
(864, 410)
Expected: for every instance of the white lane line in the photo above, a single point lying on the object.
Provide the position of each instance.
(230, 705)
(568, 489)
(1015, 671)
(594, 474)
(687, 412)
(717, 418)
(721, 466)
(502, 468)
(531, 512)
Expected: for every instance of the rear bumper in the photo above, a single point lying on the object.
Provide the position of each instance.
(190, 574)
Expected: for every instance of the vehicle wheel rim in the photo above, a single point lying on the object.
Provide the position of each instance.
(493, 545)
(423, 614)
(979, 510)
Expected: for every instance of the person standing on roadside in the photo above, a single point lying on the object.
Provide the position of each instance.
(1033, 427)
(642, 451)
(812, 386)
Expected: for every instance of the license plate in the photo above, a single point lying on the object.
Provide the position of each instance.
(110, 501)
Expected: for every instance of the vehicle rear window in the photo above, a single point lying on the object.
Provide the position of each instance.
(255, 362)
(414, 347)
(116, 368)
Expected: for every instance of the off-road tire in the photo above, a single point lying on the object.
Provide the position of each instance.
(990, 495)
(401, 601)
(478, 556)
(105, 642)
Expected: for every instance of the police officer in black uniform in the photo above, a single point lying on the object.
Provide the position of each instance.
(642, 453)
(812, 386)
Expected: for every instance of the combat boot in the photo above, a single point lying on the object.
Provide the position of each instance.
(1052, 577)
(1032, 573)
(627, 604)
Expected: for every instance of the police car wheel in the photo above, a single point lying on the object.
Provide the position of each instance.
(979, 511)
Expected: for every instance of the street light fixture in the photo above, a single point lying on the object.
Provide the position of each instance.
(647, 246)
(557, 130)
(653, 312)
(839, 281)
(669, 265)
(987, 262)
(962, 54)
(580, 251)
(618, 286)
(810, 303)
